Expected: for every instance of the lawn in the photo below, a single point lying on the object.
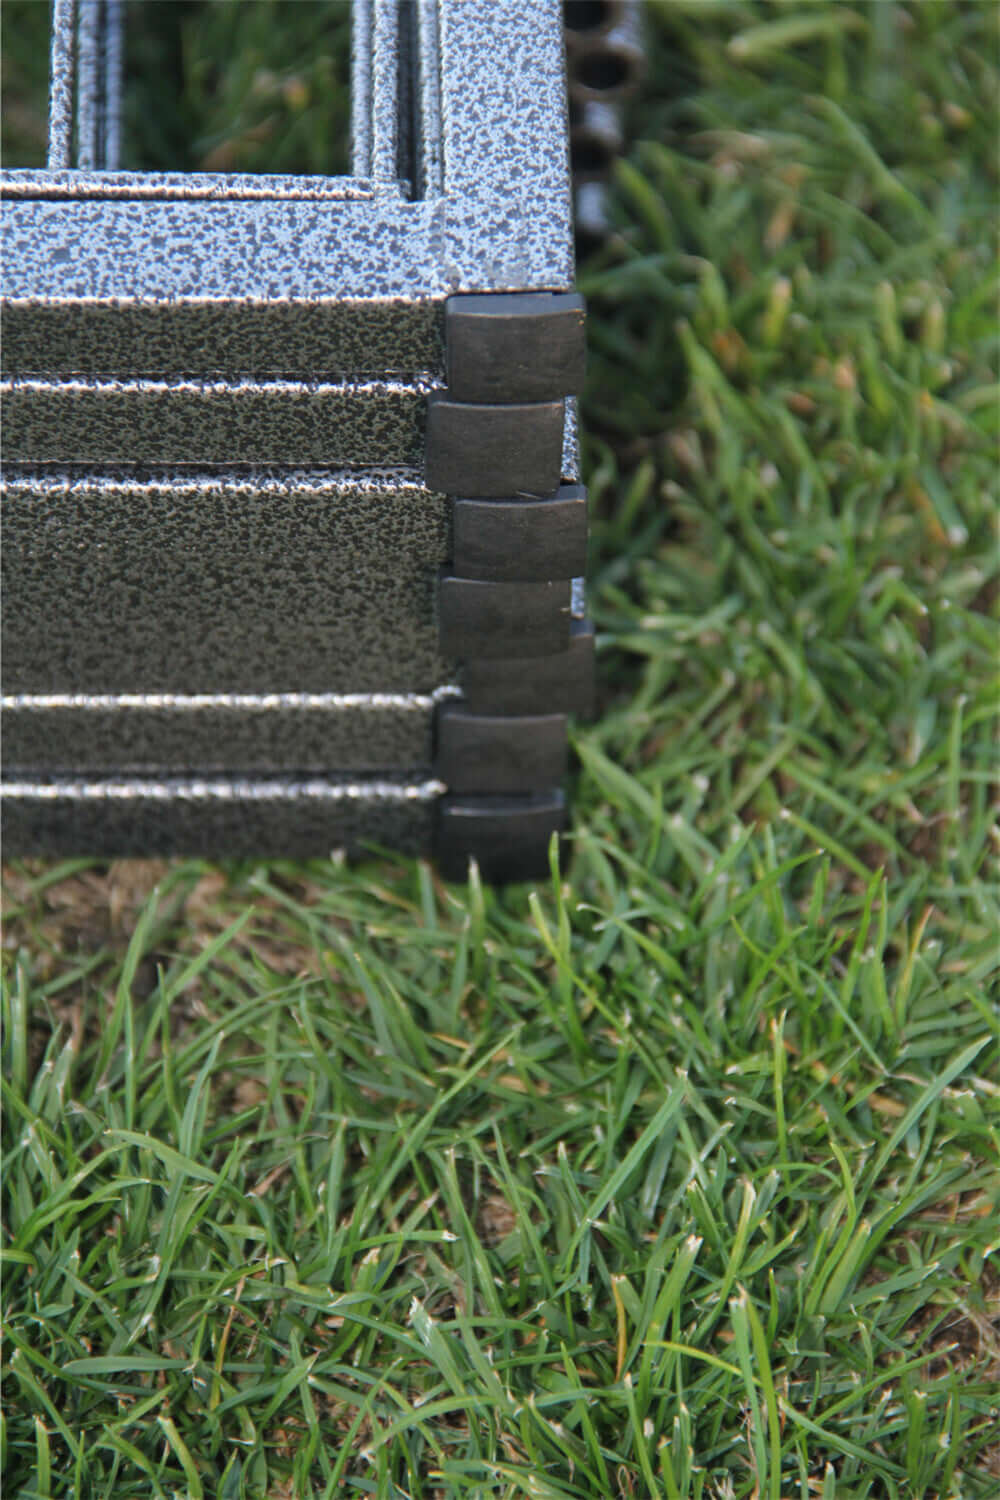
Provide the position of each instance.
(678, 1174)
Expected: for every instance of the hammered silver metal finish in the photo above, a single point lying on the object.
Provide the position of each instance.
(88, 84)
(388, 20)
(500, 221)
(310, 281)
(288, 817)
(143, 734)
(429, 181)
(361, 88)
(63, 75)
(220, 554)
(350, 339)
(507, 210)
(571, 443)
(214, 421)
(114, 76)
(264, 582)
(85, 94)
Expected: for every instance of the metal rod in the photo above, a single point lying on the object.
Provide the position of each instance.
(385, 92)
(361, 88)
(63, 53)
(85, 86)
(431, 155)
(114, 52)
(88, 69)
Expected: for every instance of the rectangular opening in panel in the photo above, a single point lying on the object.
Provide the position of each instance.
(178, 86)
(24, 65)
(247, 86)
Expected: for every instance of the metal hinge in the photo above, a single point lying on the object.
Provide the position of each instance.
(495, 445)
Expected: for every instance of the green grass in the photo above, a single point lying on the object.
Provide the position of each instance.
(680, 1174)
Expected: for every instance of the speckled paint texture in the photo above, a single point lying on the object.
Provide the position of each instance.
(155, 322)
(508, 213)
(309, 258)
(213, 422)
(155, 734)
(292, 818)
(327, 339)
(268, 583)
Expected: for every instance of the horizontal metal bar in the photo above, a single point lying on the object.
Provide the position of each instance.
(289, 817)
(215, 422)
(382, 487)
(195, 789)
(192, 703)
(163, 734)
(205, 337)
(371, 390)
(24, 183)
(262, 581)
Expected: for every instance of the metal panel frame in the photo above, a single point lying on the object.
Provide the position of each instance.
(122, 289)
(295, 286)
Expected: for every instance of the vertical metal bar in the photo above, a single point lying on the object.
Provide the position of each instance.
(88, 19)
(385, 97)
(361, 88)
(63, 54)
(430, 154)
(407, 135)
(113, 69)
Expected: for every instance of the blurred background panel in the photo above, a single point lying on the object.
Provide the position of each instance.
(24, 77)
(211, 85)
